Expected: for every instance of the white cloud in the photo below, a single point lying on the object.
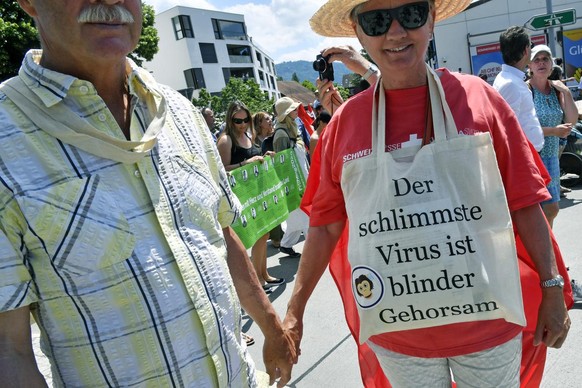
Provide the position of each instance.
(280, 27)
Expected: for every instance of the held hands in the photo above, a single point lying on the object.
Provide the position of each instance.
(279, 355)
(553, 320)
(294, 329)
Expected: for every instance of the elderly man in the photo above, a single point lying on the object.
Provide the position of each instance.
(114, 220)
(208, 115)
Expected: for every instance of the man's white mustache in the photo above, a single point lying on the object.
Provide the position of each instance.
(100, 13)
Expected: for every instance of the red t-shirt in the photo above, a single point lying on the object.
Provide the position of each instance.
(476, 108)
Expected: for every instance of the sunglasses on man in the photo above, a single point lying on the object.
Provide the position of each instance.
(240, 121)
(378, 22)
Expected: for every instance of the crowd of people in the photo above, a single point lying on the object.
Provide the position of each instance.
(430, 194)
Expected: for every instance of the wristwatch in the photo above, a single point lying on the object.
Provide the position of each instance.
(558, 281)
(368, 74)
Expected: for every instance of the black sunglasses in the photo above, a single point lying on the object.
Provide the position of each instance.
(240, 121)
(378, 22)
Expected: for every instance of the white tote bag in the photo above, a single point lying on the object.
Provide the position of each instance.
(431, 240)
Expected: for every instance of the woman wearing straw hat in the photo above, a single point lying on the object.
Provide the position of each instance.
(430, 169)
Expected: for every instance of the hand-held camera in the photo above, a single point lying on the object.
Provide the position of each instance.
(324, 67)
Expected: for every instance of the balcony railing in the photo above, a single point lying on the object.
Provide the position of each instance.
(240, 59)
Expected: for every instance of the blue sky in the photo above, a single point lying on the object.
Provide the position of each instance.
(280, 27)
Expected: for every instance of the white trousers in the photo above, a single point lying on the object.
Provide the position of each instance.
(296, 223)
(494, 367)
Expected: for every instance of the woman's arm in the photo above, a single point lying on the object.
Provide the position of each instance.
(567, 102)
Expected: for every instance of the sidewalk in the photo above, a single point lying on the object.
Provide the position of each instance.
(328, 352)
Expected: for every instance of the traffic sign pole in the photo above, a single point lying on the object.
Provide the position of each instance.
(550, 31)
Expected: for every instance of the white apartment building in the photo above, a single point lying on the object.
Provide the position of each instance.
(201, 48)
(469, 41)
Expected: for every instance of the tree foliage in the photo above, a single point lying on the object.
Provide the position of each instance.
(147, 46)
(309, 85)
(344, 92)
(295, 78)
(18, 35)
(236, 89)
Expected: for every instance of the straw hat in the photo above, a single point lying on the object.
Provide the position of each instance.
(284, 106)
(333, 18)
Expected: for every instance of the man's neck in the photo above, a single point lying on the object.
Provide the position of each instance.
(109, 77)
(113, 88)
(522, 64)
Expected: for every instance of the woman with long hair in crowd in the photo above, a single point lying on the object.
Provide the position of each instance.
(236, 149)
(263, 127)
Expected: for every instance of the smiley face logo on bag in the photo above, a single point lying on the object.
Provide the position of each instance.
(367, 286)
(364, 286)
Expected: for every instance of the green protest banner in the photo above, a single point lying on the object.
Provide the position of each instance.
(268, 192)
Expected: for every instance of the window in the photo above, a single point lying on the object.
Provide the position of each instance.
(215, 26)
(259, 59)
(239, 54)
(225, 29)
(208, 53)
(245, 73)
(182, 27)
(194, 78)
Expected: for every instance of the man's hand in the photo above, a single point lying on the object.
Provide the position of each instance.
(278, 352)
(294, 328)
(279, 355)
(553, 320)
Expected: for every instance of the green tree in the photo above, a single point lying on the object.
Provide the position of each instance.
(147, 46)
(236, 89)
(18, 35)
(309, 85)
(295, 78)
(344, 92)
(357, 79)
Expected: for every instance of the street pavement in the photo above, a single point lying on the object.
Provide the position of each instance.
(328, 352)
